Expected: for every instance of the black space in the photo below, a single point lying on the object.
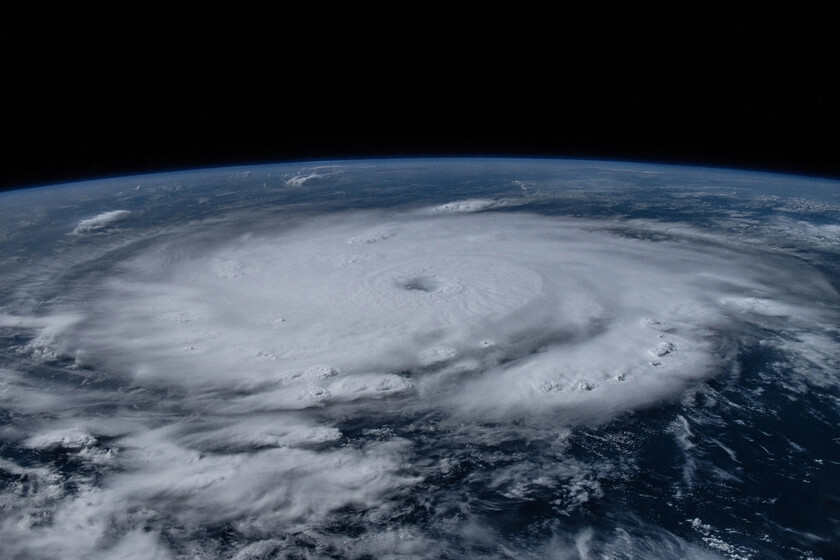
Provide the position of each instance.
(108, 90)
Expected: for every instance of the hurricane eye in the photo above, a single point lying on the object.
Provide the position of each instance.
(428, 284)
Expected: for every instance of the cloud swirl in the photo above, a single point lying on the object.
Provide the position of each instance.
(284, 380)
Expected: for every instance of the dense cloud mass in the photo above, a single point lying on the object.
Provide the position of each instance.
(275, 385)
(489, 317)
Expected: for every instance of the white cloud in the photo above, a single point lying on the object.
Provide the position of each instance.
(100, 221)
(71, 438)
(469, 205)
(306, 175)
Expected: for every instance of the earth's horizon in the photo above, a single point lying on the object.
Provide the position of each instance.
(422, 358)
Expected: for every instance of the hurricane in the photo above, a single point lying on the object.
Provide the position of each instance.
(431, 359)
